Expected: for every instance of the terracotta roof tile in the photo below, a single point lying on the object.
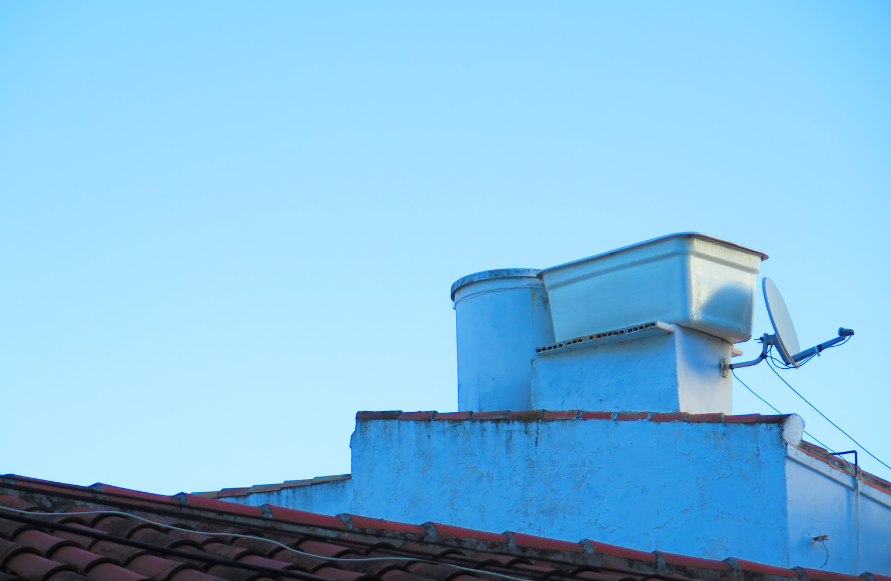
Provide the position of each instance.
(706, 418)
(305, 518)
(524, 540)
(561, 415)
(128, 548)
(674, 417)
(631, 416)
(526, 416)
(596, 416)
(417, 416)
(445, 530)
(622, 552)
(373, 523)
(452, 416)
(500, 415)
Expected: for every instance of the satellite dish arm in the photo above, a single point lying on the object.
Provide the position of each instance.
(843, 335)
(766, 341)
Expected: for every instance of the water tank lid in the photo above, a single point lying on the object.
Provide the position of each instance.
(659, 239)
(497, 273)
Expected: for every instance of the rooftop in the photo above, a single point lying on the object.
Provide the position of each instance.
(812, 450)
(60, 532)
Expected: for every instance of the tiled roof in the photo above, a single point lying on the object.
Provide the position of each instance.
(261, 488)
(823, 455)
(59, 532)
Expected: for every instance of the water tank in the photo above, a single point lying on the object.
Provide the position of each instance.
(502, 316)
(689, 279)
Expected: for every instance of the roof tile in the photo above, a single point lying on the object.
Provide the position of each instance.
(632, 416)
(694, 562)
(220, 505)
(775, 419)
(452, 416)
(526, 416)
(417, 416)
(387, 415)
(752, 567)
(305, 518)
(524, 540)
(445, 530)
(376, 523)
(596, 416)
(742, 419)
(162, 552)
(624, 553)
(562, 415)
(498, 415)
(227, 492)
(820, 575)
(675, 417)
(705, 418)
(34, 567)
(112, 572)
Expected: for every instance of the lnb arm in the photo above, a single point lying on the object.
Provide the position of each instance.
(843, 335)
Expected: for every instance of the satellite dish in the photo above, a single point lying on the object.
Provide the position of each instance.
(786, 338)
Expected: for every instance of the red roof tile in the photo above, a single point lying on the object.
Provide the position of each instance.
(561, 415)
(501, 415)
(222, 541)
(524, 540)
(452, 416)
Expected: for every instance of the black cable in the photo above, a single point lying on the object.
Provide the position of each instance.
(173, 552)
(776, 410)
(22, 516)
(827, 419)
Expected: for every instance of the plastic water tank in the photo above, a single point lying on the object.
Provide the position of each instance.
(502, 316)
(689, 279)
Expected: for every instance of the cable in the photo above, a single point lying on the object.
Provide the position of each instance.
(814, 438)
(775, 372)
(733, 371)
(253, 537)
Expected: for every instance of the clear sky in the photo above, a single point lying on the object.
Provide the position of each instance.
(226, 227)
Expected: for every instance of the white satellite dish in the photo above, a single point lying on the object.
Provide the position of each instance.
(784, 338)
(787, 339)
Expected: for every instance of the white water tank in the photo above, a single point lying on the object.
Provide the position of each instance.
(688, 279)
(502, 316)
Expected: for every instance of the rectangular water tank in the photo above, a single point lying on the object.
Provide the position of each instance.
(687, 279)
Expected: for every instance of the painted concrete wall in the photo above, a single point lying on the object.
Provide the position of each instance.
(331, 498)
(668, 369)
(703, 489)
(825, 501)
(710, 490)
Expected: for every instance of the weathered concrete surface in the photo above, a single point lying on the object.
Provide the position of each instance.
(332, 497)
(855, 516)
(710, 490)
(706, 489)
(669, 370)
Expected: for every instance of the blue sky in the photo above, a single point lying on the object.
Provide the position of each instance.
(227, 227)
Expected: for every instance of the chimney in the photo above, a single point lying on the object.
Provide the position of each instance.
(593, 407)
(641, 328)
(501, 317)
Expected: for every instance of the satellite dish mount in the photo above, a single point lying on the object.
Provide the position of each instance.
(784, 338)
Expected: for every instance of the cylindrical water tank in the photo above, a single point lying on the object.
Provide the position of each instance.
(502, 316)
